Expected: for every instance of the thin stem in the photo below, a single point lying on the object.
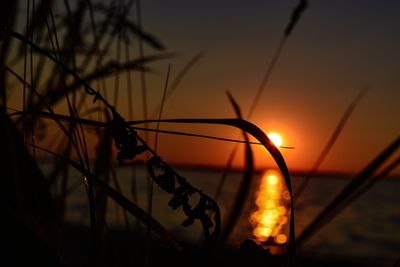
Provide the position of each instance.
(33, 84)
(24, 75)
(162, 107)
(332, 140)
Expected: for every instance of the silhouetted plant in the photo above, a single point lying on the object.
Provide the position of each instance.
(171, 182)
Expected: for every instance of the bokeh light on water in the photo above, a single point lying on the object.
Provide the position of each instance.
(271, 213)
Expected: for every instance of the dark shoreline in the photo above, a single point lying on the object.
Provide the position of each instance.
(122, 248)
(328, 174)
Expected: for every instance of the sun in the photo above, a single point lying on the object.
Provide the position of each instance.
(276, 139)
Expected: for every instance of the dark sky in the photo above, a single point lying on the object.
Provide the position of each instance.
(337, 49)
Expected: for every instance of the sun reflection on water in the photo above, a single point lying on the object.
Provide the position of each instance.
(271, 213)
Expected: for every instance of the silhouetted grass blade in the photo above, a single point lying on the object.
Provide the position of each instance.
(266, 142)
(296, 16)
(331, 142)
(121, 200)
(206, 209)
(107, 70)
(7, 14)
(120, 21)
(336, 204)
(368, 184)
(245, 184)
(178, 79)
(94, 123)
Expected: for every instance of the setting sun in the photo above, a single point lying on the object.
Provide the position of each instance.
(276, 139)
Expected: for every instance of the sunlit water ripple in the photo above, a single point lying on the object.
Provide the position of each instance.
(369, 227)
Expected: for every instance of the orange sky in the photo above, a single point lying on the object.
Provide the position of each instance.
(337, 48)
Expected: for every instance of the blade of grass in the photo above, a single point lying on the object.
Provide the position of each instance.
(121, 200)
(30, 97)
(76, 129)
(36, 23)
(269, 146)
(93, 123)
(25, 47)
(8, 14)
(367, 184)
(300, 8)
(142, 73)
(162, 107)
(296, 13)
(107, 70)
(130, 115)
(150, 204)
(119, 190)
(143, 86)
(243, 125)
(118, 60)
(137, 30)
(151, 183)
(96, 40)
(244, 186)
(102, 168)
(50, 113)
(225, 173)
(331, 142)
(139, 213)
(327, 214)
(121, 21)
(77, 132)
(178, 79)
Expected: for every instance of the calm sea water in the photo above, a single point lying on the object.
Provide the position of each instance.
(369, 227)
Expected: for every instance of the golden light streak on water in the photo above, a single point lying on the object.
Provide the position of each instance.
(271, 214)
(281, 239)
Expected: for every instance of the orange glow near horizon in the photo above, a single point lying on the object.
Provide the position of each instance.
(276, 139)
(271, 214)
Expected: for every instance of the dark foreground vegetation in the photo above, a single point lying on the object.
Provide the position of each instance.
(54, 104)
